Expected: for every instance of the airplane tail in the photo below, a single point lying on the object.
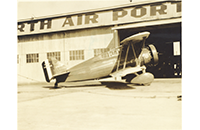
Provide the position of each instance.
(54, 69)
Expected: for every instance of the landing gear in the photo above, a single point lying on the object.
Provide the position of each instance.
(146, 84)
(179, 97)
(143, 79)
(56, 85)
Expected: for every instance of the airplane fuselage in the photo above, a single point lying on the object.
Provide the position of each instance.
(98, 66)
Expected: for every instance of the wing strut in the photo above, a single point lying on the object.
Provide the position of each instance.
(126, 56)
(143, 42)
(119, 59)
(136, 59)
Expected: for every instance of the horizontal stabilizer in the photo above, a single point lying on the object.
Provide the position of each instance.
(53, 68)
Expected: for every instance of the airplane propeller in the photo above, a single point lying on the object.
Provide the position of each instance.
(154, 54)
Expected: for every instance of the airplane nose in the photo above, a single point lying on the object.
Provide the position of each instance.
(149, 56)
(154, 54)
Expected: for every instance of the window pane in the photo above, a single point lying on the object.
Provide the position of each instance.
(76, 54)
(31, 58)
(54, 54)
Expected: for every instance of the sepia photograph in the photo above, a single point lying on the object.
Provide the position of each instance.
(99, 65)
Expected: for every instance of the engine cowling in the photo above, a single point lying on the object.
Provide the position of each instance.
(149, 56)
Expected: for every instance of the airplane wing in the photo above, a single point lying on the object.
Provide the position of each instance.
(131, 48)
(136, 38)
(117, 76)
(126, 71)
(135, 42)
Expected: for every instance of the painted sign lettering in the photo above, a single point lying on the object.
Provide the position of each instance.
(118, 13)
(21, 27)
(161, 9)
(91, 17)
(69, 21)
(138, 12)
(166, 10)
(45, 22)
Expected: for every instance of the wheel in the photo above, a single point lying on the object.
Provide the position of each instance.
(56, 85)
(147, 84)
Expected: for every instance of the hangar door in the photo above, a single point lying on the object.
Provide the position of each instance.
(167, 40)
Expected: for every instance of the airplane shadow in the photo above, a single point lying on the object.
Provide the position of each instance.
(117, 86)
(89, 85)
(52, 87)
(110, 85)
(71, 86)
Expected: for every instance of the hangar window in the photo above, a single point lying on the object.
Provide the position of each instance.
(53, 54)
(100, 51)
(76, 55)
(32, 58)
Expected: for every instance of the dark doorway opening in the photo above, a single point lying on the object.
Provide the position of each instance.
(164, 37)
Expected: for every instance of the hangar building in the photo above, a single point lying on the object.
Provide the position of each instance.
(75, 37)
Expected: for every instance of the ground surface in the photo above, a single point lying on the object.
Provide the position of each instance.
(91, 106)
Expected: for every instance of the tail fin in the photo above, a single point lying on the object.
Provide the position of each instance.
(53, 68)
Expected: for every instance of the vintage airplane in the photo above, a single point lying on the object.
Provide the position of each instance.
(125, 63)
